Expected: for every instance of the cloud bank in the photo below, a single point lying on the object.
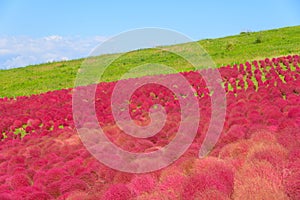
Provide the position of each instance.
(20, 51)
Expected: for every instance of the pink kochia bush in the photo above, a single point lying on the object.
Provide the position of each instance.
(292, 179)
(117, 192)
(256, 157)
(209, 174)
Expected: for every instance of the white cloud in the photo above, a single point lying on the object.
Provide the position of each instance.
(5, 51)
(20, 51)
(53, 37)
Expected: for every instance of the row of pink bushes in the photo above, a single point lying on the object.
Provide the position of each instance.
(52, 110)
(256, 157)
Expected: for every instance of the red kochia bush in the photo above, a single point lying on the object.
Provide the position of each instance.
(258, 180)
(7, 196)
(38, 195)
(24, 191)
(292, 179)
(117, 192)
(234, 133)
(142, 183)
(207, 174)
(270, 152)
(77, 195)
(19, 180)
(55, 174)
(71, 184)
(53, 189)
(172, 184)
(211, 195)
(201, 185)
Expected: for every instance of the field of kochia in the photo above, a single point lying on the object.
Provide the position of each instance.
(256, 157)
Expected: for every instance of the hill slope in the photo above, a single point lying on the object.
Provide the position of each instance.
(240, 48)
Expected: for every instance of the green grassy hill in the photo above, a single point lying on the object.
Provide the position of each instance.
(228, 50)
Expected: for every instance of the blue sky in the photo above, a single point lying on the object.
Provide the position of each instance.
(42, 31)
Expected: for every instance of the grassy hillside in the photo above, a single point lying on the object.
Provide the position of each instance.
(233, 49)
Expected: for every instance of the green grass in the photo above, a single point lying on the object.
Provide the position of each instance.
(233, 49)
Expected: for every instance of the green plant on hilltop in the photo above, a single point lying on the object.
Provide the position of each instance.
(258, 39)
